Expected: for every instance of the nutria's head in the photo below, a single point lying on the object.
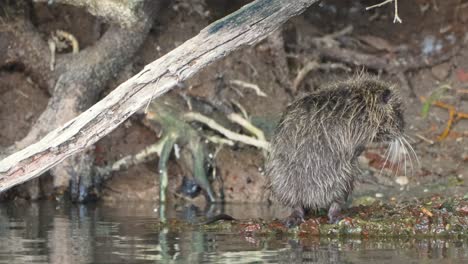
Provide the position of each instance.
(382, 113)
(378, 116)
(388, 110)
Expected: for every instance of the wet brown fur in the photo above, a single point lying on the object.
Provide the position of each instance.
(313, 158)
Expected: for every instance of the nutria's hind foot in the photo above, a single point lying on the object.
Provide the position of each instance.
(334, 213)
(295, 218)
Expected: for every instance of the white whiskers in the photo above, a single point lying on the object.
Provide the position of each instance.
(400, 153)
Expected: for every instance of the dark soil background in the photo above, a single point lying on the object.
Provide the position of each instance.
(433, 31)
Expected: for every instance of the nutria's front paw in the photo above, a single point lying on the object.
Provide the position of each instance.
(334, 213)
(293, 221)
(335, 219)
(296, 218)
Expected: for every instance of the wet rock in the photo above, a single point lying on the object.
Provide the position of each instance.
(441, 71)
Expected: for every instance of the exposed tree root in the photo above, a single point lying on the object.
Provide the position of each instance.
(75, 85)
(170, 114)
(192, 116)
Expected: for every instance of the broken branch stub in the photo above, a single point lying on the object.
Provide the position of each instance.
(246, 26)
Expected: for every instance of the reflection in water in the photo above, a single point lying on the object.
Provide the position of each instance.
(50, 232)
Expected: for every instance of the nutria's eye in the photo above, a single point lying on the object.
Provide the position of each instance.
(385, 96)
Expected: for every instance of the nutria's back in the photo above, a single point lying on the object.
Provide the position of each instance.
(313, 158)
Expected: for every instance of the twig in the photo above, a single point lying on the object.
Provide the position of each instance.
(396, 17)
(431, 142)
(379, 5)
(247, 85)
(192, 116)
(454, 115)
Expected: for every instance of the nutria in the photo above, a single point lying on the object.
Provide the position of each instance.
(313, 159)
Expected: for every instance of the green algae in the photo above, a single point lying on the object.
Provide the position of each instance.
(429, 217)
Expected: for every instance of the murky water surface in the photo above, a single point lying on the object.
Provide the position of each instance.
(50, 232)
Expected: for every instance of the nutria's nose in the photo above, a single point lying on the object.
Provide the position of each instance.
(400, 121)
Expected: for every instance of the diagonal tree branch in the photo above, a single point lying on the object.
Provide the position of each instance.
(246, 26)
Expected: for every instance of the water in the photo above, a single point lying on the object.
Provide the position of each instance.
(51, 232)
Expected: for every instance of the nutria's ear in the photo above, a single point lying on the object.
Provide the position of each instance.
(385, 96)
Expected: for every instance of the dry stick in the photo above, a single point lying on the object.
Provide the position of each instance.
(246, 26)
(379, 5)
(454, 115)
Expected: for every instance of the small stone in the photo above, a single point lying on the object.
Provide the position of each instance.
(441, 71)
(379, 195)
(402, 180)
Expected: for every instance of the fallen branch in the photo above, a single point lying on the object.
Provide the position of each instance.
(247, 26)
